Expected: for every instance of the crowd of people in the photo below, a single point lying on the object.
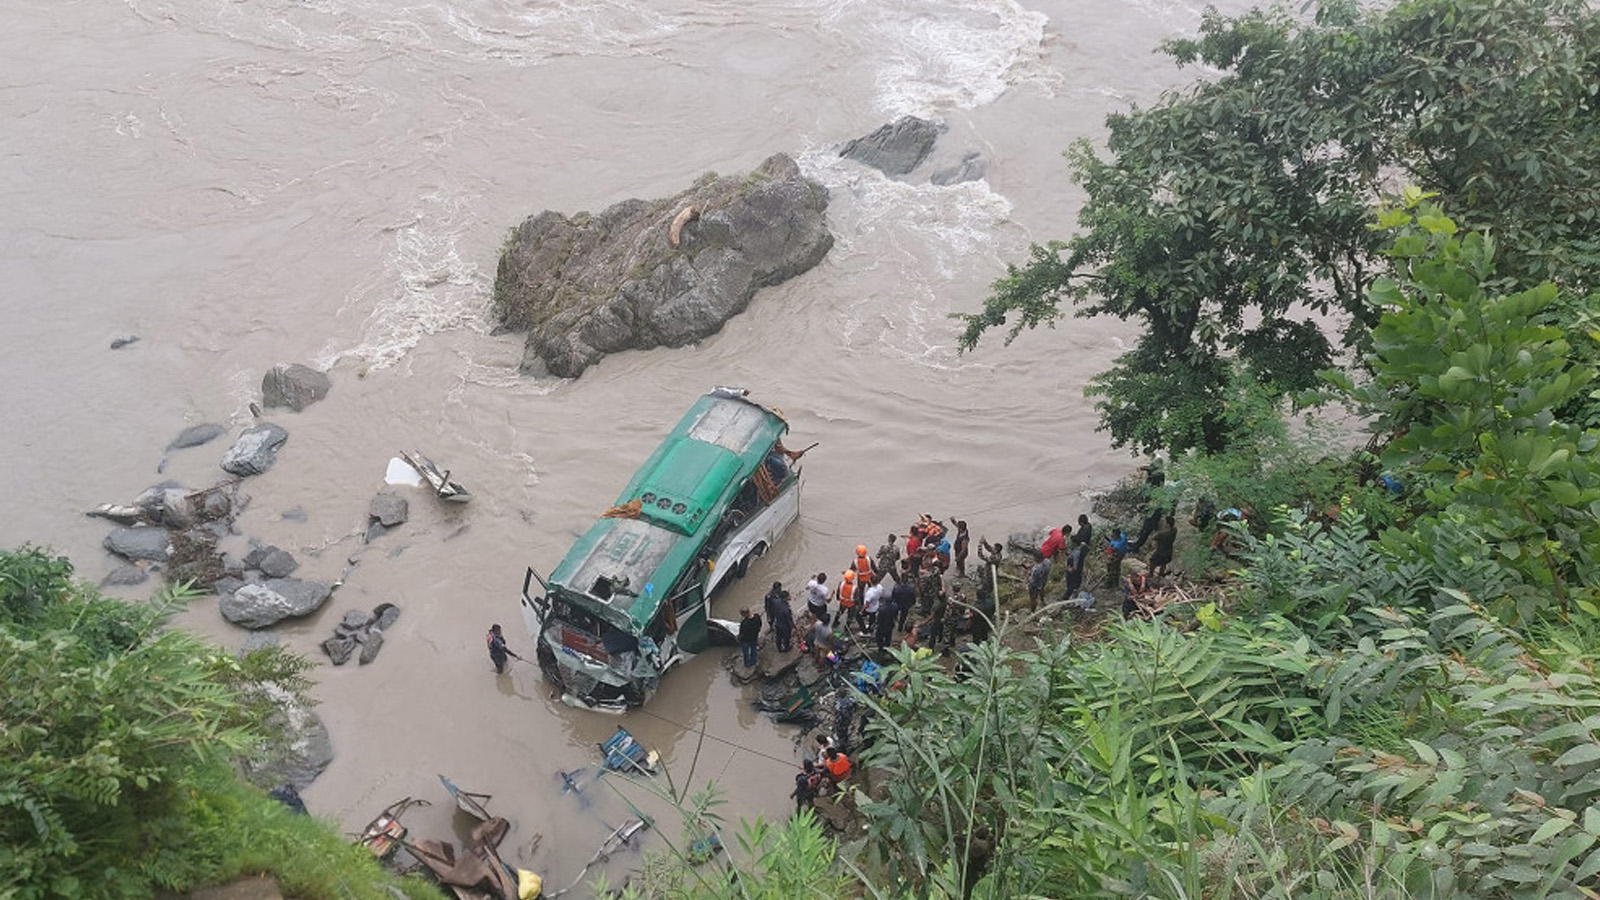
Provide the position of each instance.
(915, 589)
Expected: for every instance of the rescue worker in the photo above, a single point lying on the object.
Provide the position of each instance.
(846, 595)
(929, 588)
(963, 543)
(955, 616)
(498, 651)
(862, 566)
(914, 551)
(889, 558)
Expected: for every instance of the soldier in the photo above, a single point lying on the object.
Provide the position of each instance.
(990, 576)
(955, 613)
(962, 542)
(929, 588)
(889, 558)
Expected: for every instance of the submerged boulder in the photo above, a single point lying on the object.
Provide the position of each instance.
(295, 387)
(970, 168)
(895, 148)
(195, 435)
(666, 272)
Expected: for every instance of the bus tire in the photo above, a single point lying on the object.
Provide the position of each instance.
(743, 565)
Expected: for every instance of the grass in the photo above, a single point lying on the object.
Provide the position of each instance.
(239, 832)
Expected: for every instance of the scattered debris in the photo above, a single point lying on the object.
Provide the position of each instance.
(442, 486)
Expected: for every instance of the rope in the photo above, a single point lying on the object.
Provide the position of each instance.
(786, 763)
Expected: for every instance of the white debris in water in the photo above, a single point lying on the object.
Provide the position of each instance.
(401, 472)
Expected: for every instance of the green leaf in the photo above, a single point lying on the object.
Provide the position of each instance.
(1579, 755)
(1549, 829)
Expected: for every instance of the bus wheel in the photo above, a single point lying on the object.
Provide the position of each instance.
(547, 665)
(743, 565)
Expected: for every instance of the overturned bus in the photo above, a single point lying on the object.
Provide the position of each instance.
(631, 598)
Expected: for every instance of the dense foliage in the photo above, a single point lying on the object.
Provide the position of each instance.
(1230, 219)
(118, 738)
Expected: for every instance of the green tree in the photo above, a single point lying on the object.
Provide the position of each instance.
(1230, 218)
(1470, 382)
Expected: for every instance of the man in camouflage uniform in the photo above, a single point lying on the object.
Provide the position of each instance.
(889, 558)
(954, 614)
(930, 588)
(939, 614)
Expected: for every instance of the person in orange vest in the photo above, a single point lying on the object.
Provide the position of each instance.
(846, 595)
(866, 575)
(838, 766)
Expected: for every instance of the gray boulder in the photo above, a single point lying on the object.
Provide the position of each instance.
(360, 629)
(655, 273)
(371, 642)
(195, 435)
(140, 543)
(970, 168)
(301, 751)
(255, 451)
(270, 602)
(390, 510)
(339, 649)
(354, 622)
(303, 595)
(896, 148)
(257, 552)
(385, 615)
(278, 564)
(168, 504)
(125, 576)
(217, 505)
(295, 387)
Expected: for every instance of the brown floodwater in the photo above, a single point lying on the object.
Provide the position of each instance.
(329, 181)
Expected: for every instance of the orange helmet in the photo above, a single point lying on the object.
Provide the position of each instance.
(861, 549)
(850, 575)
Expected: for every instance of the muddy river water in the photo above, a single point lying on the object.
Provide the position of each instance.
(329, 181)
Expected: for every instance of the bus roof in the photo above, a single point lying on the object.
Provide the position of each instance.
(622, 568)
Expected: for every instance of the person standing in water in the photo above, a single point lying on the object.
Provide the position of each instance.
(498, 651)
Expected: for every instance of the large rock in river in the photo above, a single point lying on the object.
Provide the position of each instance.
(255, 450)
(143, 542)
(656, 273)
(896, 148)
(295, 387)
(270, 602)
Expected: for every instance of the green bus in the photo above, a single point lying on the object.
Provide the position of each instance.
(631, 599)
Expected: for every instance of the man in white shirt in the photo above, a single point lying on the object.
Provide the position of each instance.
(872, 601)
(817, 594)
